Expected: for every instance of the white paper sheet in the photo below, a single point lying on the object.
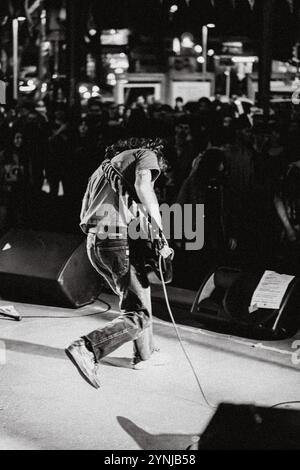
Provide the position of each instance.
(270, 291)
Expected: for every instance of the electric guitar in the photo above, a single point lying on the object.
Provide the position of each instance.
(154, 262)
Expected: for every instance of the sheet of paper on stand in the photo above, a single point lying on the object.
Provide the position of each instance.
(270, 291)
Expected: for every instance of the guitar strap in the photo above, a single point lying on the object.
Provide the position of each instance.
(122, 187)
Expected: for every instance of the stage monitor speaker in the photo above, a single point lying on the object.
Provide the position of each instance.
(247, 427)
(223, 301)
(47, 268)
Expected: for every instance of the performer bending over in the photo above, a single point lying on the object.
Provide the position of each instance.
(106, 216)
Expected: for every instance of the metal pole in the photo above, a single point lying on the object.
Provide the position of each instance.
(266, 57)
(43, 36)
(56, 57)
(228, 82)
(15, 26)
(204, 48)
(73, 52)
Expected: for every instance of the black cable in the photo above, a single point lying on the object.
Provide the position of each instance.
(180, 339)
(186, 354)
(284, 403)
(67, 316)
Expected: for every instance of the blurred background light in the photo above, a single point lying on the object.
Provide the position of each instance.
(173, 8)
(198, 48)
(83, 89)
(187, 40)
(176, 46)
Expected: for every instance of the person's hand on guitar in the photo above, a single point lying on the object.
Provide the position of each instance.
(166, 251)
(159, 261)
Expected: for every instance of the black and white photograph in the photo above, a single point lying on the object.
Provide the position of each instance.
(149, 227)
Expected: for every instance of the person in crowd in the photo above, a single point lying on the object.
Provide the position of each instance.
(4, 131)
(184, 151)
(287, 205)
(35, 130)
(293, 141)
(217, 104)
(138, 122)
(11, 115)
(58, 153)
(241, 160)
(275, 158)
(97, 119)
(269, 163)
(206, 185)
(83, 160)
(120, 114)
(201, 124)
(16, 178)
(179, 105)
(224, 133)
(117, 123)
(150, 104)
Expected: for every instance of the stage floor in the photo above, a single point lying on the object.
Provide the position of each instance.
(45, 404)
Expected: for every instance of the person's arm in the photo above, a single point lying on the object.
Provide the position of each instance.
(144, 187)
(282, 213)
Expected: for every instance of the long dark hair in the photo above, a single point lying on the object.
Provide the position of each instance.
(8, 152)
(156, 145)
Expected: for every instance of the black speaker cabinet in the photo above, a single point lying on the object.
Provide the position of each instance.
(223, 300)
(247, 427)
(47, 268)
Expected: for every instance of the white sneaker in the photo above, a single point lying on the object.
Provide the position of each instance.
(157, 359)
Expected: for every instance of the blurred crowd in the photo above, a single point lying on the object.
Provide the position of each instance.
(223, 154)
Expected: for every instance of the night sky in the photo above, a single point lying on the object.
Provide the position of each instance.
(151, 17)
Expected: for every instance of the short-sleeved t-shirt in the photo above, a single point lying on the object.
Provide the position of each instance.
(110, 209)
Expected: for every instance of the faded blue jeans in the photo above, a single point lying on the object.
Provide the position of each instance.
(121, 264)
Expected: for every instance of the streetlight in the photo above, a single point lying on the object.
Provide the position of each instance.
(15, 27)
(205, 29)
(228, 81)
